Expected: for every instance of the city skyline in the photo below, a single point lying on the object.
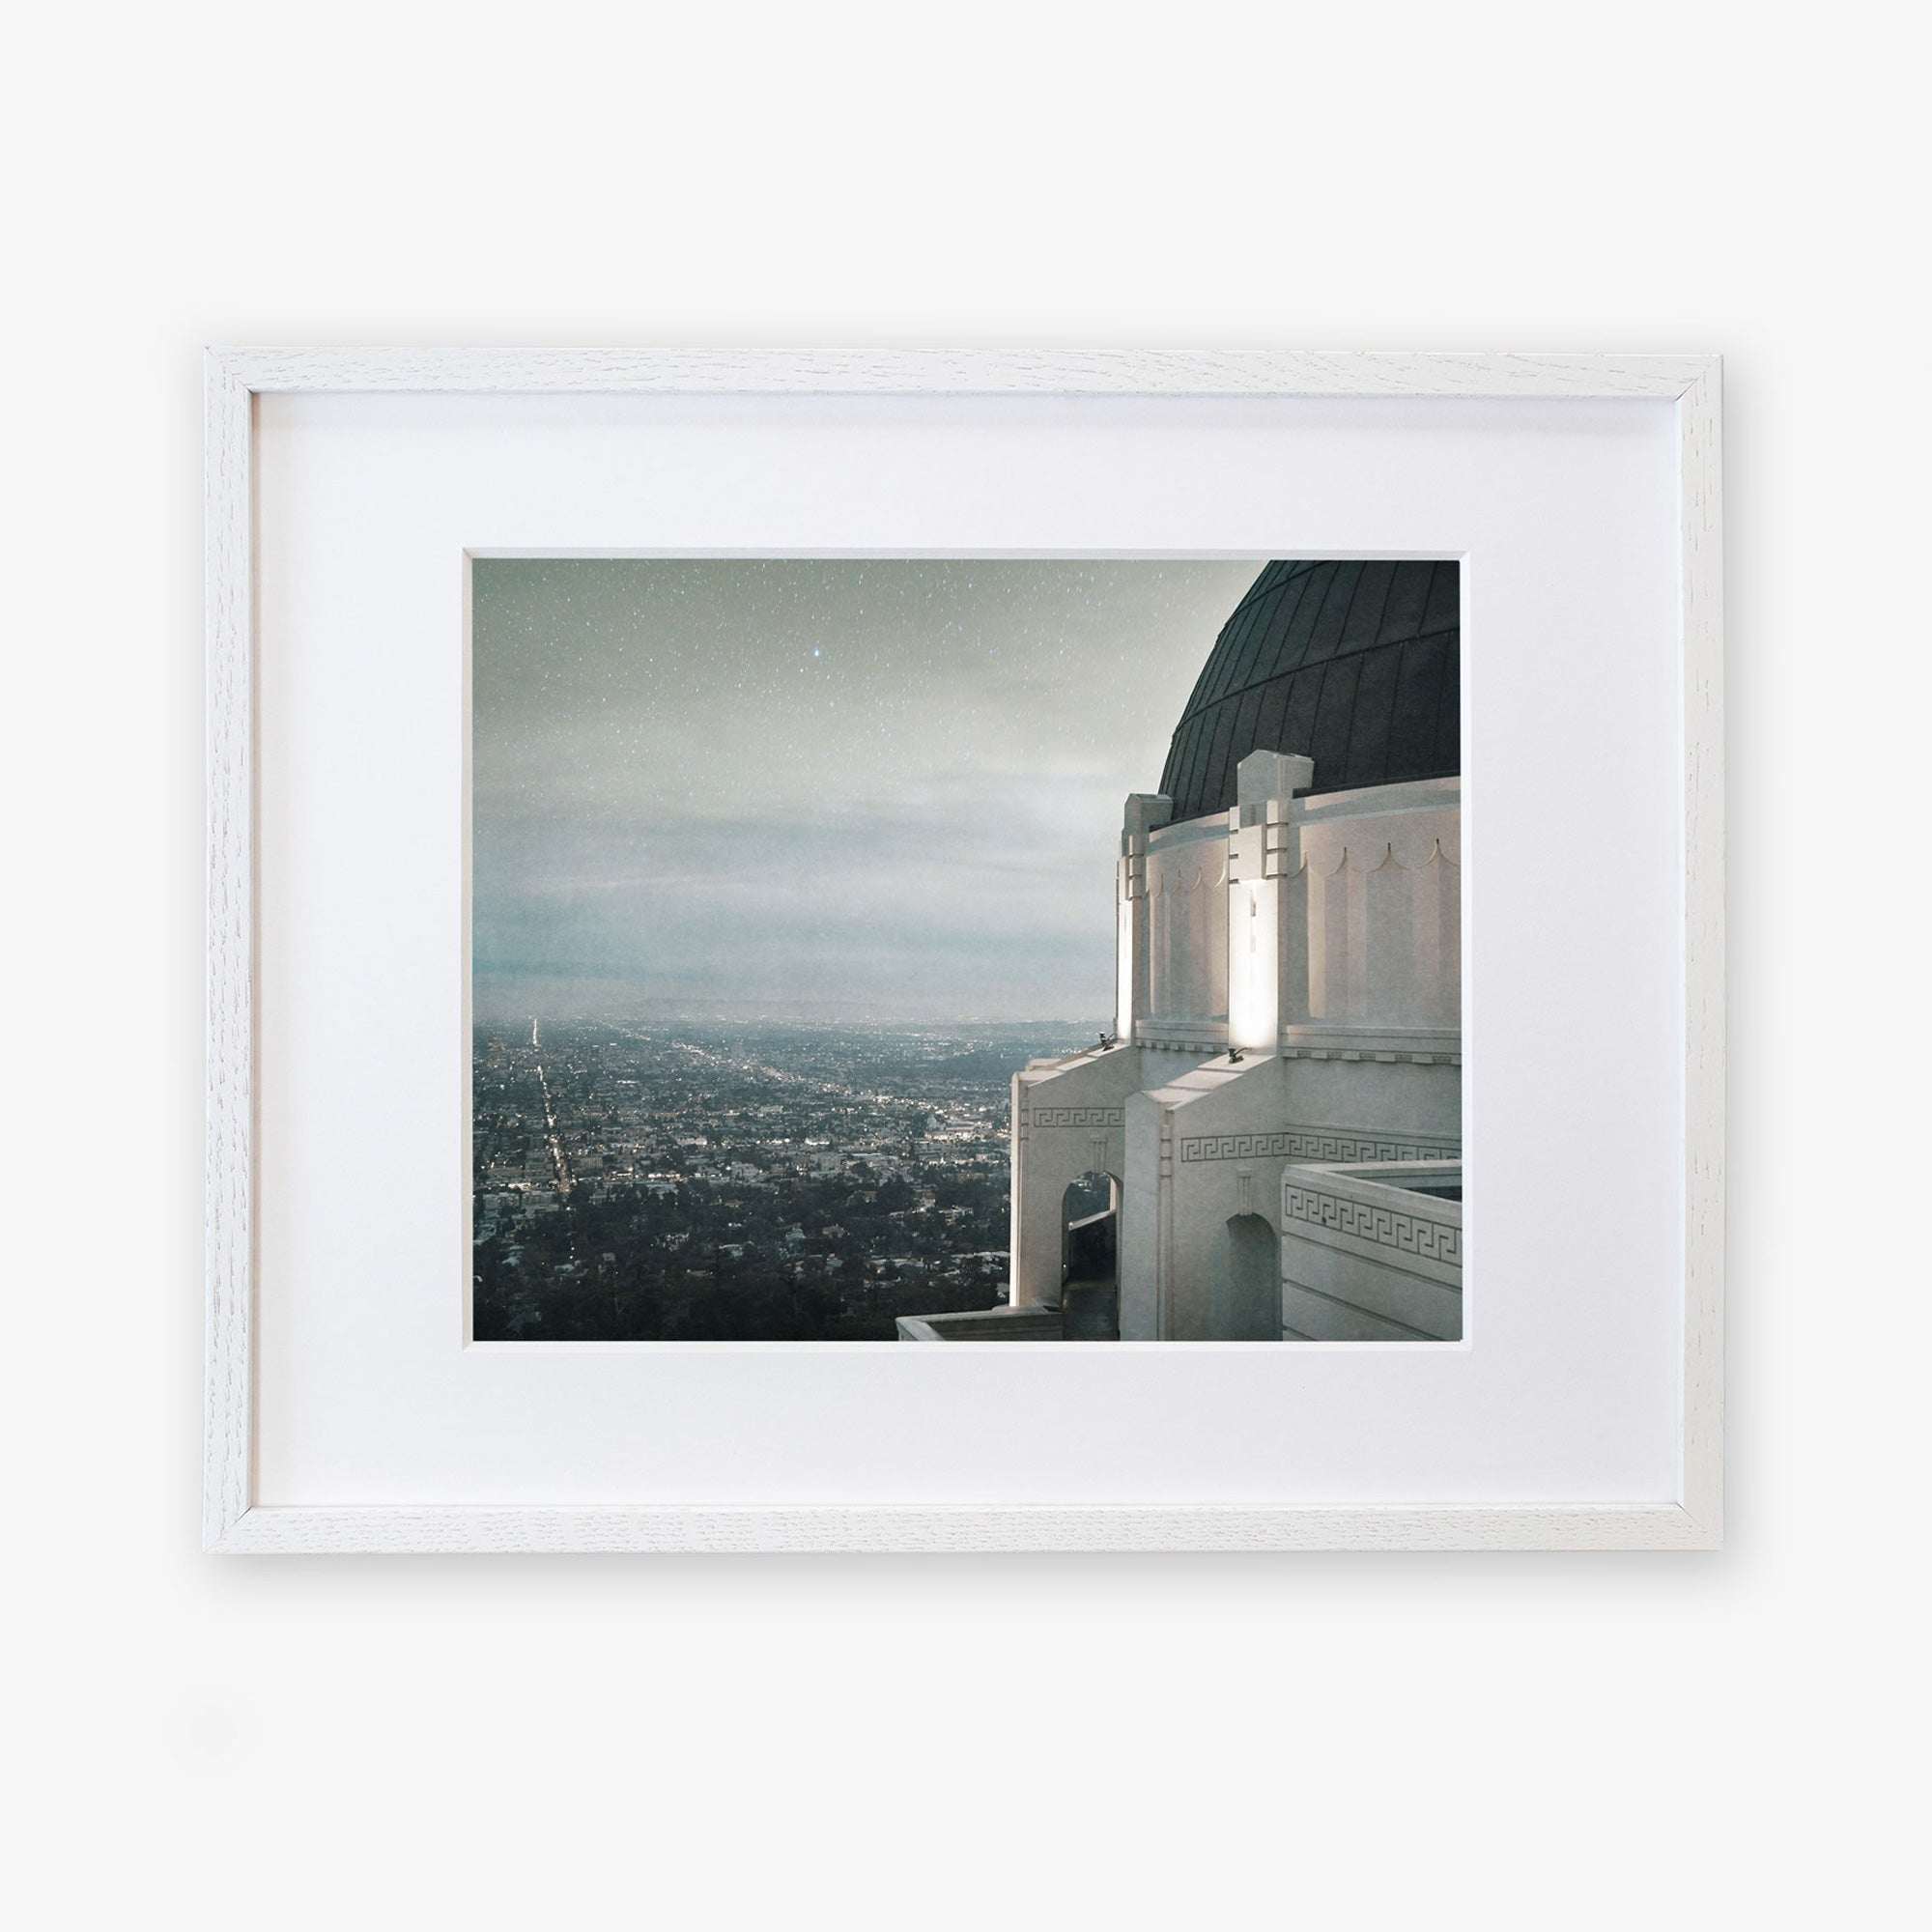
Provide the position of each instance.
(845, 791)
(755, 1182)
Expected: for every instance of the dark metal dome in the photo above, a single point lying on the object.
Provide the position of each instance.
(1353, 664)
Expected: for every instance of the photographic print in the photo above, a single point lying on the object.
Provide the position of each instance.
(940, 951)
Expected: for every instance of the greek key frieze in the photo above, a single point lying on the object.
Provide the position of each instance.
(1078, 1116)
(1313, 1144)
(1383, 1227)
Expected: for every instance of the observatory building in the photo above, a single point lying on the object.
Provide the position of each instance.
(1268, 1145)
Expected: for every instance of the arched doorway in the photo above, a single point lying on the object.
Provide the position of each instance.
(1090, 1259)
(1246, 1303)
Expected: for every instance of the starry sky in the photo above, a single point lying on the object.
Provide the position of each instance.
(834, 789)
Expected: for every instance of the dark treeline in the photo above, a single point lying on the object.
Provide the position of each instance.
(706, 1263)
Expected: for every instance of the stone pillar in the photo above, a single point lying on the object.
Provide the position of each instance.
(1035, 1222)
(1066, 1121)
(1145, 813)
(1258, 838)
(1144, 1206)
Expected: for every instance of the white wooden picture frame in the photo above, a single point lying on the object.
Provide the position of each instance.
(235, 1520)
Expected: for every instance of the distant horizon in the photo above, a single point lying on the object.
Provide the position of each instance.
(885, 791)
(514, 1014)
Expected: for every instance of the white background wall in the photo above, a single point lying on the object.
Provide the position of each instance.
(1518, 1741)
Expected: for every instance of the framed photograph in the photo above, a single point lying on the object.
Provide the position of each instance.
(975, 951)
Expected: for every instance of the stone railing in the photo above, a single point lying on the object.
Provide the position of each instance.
(983, 1324)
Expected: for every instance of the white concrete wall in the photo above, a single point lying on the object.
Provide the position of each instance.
(1180, 1193)
(1188, 947)
(1371, 933)
(1322, 937)
(1374, 1097)
(1145, 813)
(1208, 1139)
(1303, 922)
(1366, 1259)
(1067, 1119)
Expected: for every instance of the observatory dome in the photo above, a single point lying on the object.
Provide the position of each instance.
(1353, 664)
